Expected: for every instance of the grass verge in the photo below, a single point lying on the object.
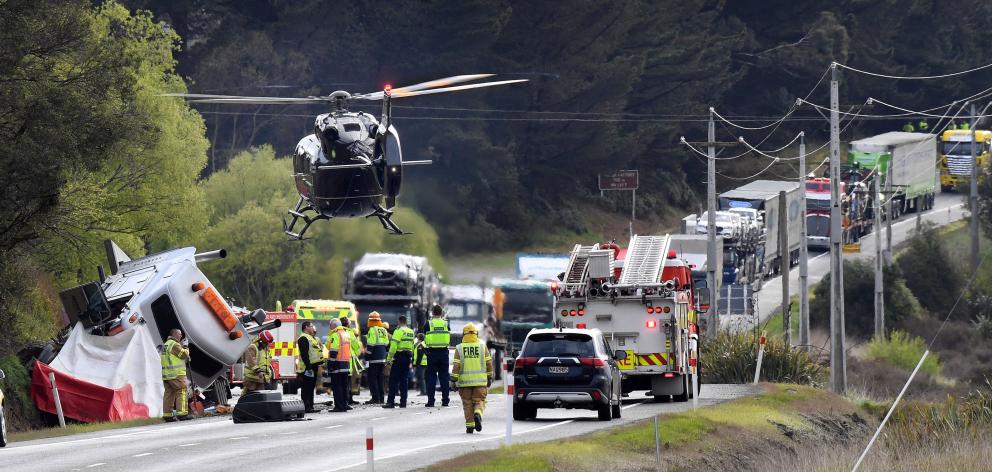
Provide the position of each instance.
(79, 428)
(782, 411)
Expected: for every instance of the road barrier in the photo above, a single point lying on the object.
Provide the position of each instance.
(508, 388)
(761, 355)
(369, 450)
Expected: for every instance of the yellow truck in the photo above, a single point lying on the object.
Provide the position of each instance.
(955, 155)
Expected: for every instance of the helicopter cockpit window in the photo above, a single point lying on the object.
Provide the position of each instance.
(349, 127)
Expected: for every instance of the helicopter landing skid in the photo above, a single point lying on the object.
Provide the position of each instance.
(386, 218)
(299, 213)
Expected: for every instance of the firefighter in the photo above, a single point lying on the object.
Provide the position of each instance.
(174, 356)
(339, 365)
(308, 360)
(420, 363)
(908, 127)
(472, 373)
(923, 125)
(258, 364)
(437, 337)
(398, 362)
(357, 368)
(377, 343)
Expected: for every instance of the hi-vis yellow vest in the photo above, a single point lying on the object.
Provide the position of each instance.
(263, 359)
(473, 369)
(314, 353)
(437, 335)
(173, 366)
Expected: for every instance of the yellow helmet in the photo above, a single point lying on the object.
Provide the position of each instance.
(470, 329)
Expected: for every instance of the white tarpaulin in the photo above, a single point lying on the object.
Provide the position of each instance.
(128, 358)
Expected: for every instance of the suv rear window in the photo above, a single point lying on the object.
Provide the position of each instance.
(560, 345)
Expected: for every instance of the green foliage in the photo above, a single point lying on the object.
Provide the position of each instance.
(904, 351)
(859, 299)
(916, 422)
(925, 261)
(17, 393)
(247, 202)
(732, 357)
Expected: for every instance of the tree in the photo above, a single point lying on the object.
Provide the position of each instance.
(933, 277)
(859, 300)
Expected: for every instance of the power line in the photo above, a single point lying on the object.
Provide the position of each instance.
(902, 77)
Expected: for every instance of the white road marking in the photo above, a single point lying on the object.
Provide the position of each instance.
(335, 426)
(421, 413)
(237, 438)
(96, 465)
(188, 445)
(288, 433)
(379, 418)
(469, 441)
(143, 454)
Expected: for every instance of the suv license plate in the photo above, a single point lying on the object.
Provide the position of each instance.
(558, 370)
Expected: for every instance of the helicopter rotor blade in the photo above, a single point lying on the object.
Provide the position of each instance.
(447, 81)
(455, 88)
(243, 100)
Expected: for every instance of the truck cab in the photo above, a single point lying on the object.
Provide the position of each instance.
(523, 305)
(955, 155)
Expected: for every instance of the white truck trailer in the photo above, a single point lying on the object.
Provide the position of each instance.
(646, 309)
(763, 195)
(906, 163)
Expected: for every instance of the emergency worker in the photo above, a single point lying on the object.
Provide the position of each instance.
(472, 373)
(420, 363)
(398, 362)
(258, 364)
(339, 365)
(309, 358)
(377, 344)
(437, 337)
(923, 125)
(174, 357)
(357, 349)
(908, 128)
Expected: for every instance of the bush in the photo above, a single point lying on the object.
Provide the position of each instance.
(925, 254)
(904, 351)
(859, 300)
(732, 357)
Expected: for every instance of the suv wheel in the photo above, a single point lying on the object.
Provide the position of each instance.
(604, 412)
(3, 429)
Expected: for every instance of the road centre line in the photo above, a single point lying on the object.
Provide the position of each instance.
(143, 454)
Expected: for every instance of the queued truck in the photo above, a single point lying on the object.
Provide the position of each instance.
(466, 304)
(763, 196)
(905, 162)
(955, 156)
(523, 305)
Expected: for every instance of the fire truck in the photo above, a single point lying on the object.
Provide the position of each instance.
(644, 301)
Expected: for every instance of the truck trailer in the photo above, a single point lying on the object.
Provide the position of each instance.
(905, 162)
(763, 196)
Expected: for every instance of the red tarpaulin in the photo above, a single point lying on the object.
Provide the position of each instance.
(82, 400)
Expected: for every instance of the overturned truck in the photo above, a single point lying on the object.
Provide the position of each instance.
(109, 367)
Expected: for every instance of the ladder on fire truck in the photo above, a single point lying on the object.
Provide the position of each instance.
(645, 260)
(578, 264)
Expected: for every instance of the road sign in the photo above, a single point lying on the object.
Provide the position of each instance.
(619, 180)
(855, 247)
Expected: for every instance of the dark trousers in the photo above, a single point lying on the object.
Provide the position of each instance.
(307, 385)
(421, 379)
(437, 369)
(374, 376)
(341, 387)
(398, 382)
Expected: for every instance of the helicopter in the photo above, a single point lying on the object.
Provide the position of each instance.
(352, 164)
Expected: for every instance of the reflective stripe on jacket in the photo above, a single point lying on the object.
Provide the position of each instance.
(173, 365)
(340, 351)
(378, 343)
(471, 365)
(261, 369)
(437, 335)
(402, 342)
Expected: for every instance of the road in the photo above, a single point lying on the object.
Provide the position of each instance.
(405, 439)
(947, 208)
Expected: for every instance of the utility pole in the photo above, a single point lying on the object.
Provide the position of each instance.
(786, 259)
(838, 349)
(973, 194)
(879, 298)
(711, 255)
(803, 252)
(889, 214)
